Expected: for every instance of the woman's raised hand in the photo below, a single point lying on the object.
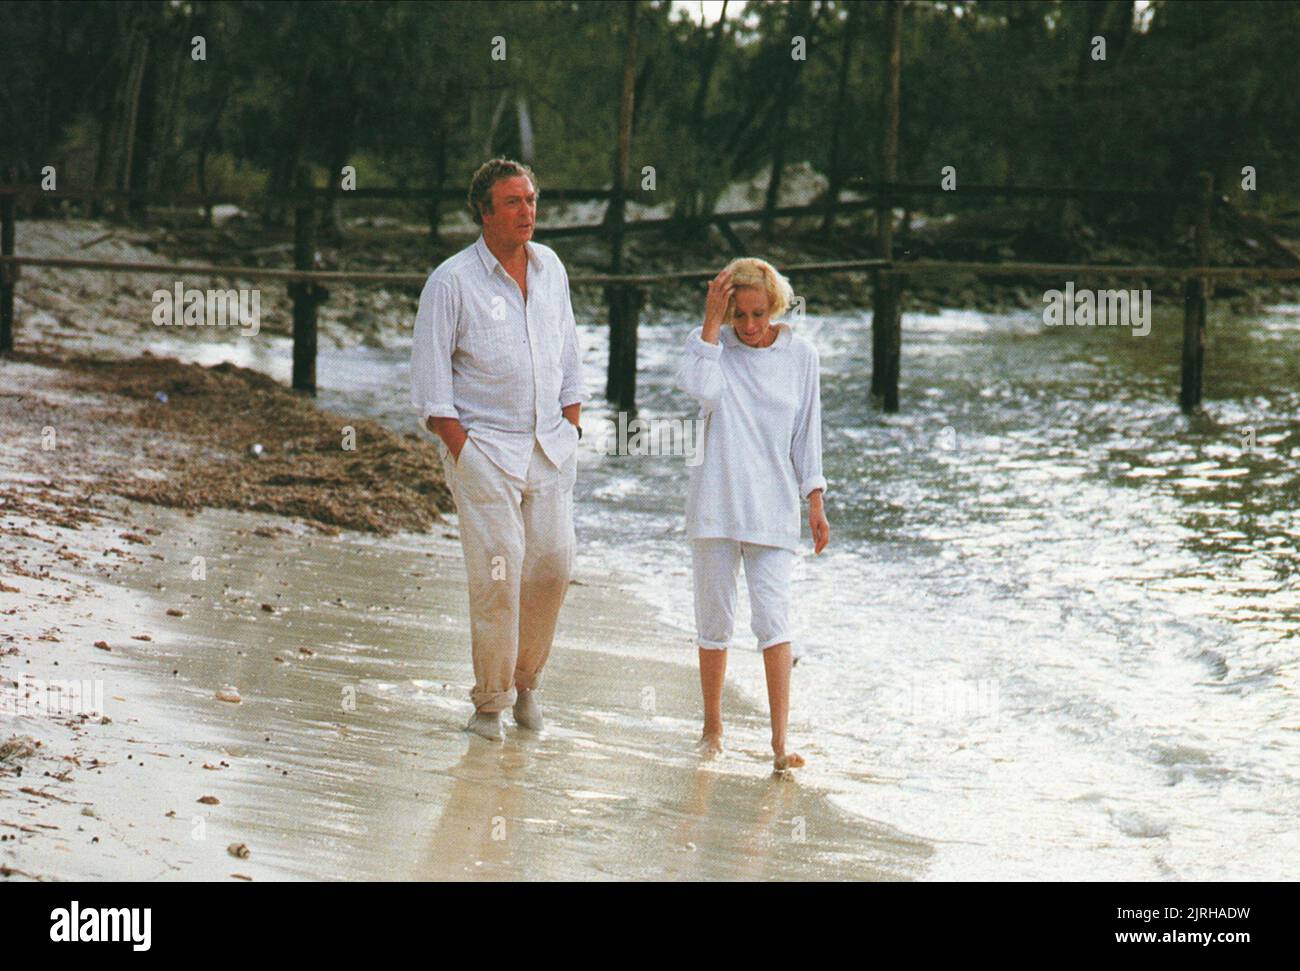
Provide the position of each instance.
(715, 308)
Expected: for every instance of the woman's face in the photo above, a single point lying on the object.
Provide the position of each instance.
(749, 316)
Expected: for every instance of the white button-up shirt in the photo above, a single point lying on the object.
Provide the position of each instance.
(502, 366)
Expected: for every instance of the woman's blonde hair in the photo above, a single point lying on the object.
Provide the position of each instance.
(749, 271)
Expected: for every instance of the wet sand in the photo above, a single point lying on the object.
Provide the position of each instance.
(349, 652)
(344, 758)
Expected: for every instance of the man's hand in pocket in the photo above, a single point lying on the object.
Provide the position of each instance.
(452, 433)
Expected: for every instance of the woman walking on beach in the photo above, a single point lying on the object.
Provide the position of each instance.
(758, 388)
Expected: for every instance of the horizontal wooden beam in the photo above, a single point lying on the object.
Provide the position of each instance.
(816, 210)
(1016, 191)
(646, 279)
(1094, 270)
(257, 200)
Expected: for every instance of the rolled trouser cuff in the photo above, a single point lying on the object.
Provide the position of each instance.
(490, 701)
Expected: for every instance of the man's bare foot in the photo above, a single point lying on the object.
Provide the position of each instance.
(486, 724)
(783, 763)
(528, 714)
(710, 744)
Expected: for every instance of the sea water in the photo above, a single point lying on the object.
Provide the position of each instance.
(1055, 631)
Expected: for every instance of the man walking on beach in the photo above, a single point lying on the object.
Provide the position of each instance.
(496, 375)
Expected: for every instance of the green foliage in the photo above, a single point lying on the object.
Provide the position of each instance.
(1003, 91)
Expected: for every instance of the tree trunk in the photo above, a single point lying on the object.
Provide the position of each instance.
(205, 143)
(690, 202)
(285, 171)
(439, 178)
(135, 85)
(836, 166)
(343, 145)
(801, 22)
(773, 195)
(168, 172)
(1071, 147)
(142, 152)
(103, 152)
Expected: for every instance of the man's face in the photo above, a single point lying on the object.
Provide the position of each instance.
(514, 211)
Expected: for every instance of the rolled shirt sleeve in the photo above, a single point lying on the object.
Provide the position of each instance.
(431, 350)
(700, 374)
(806, 444)
(573, 389)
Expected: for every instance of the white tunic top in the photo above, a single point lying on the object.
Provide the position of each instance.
(762, 440)
(504, 367)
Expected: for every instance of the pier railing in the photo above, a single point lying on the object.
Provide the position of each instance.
(625, 292)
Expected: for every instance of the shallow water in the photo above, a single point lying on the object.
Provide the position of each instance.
(1056, 630)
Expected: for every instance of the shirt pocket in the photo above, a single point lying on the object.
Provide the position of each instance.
(550, 351)
(491, 347)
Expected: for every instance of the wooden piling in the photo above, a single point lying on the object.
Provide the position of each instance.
(305, 297)
(891, 313)
(617, 332)
(878, 345)
(1196, 298)
(620, 379)
(8, 272)
(625, 303)
(886, 334)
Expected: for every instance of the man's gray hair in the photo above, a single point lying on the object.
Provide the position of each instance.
(489, 174)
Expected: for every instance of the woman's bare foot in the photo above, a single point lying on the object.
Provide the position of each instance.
(782, 763)
(710, 744)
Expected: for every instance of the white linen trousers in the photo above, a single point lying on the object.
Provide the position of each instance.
(518, 539)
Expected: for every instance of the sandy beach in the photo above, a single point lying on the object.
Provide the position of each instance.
(348, 651)
(1114, 702)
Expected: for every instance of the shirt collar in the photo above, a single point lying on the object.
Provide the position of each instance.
(783, 337)
(490, 262)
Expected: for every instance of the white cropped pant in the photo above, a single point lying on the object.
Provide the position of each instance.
(768, 569)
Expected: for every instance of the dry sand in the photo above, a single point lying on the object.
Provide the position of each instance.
(349, 652)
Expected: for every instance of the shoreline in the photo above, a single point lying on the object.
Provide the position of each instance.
(348, 649)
